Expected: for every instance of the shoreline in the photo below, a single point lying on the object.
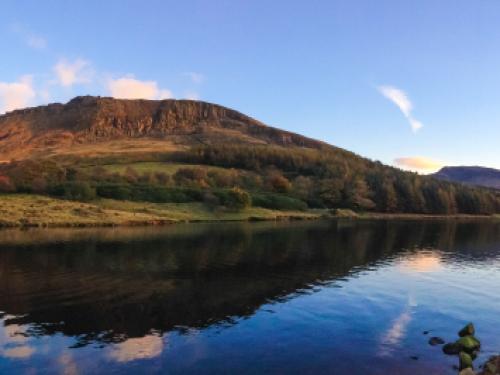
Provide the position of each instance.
(34, 211)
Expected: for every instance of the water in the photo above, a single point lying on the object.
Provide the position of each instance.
(338, 297)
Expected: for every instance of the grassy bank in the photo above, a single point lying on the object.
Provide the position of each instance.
(22, 210)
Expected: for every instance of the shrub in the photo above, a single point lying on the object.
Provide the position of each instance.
(78, 191)
(6, 185)
(234, 199)
(278, 202)
(114, 191)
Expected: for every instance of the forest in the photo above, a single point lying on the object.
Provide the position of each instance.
(237, 176)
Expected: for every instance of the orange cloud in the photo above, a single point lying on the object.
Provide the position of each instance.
(418, 163)
(130, 88)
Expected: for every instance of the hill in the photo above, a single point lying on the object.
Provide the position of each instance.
(479, 176)
(191, 153)
(91, 124)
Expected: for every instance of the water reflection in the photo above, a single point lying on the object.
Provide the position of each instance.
(127, 289)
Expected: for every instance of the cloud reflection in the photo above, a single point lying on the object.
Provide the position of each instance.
(424, 262)
(13, 342)
(137, 348)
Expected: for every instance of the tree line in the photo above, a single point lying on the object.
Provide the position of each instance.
(237, 176)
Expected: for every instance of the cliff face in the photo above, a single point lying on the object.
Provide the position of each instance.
(88, 119)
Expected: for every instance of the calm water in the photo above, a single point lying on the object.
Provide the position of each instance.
(292, 298)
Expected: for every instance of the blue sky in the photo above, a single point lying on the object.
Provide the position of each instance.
(410, 83)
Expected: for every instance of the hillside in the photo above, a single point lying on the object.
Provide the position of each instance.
(191, 153)
(93, 124)
(479, 176)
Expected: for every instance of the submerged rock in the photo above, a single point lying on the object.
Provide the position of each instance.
(452, 348)
(468, 330)
(467, 371)
(436, 341)
(492, 367)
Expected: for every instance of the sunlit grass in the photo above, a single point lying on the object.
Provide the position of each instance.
(36, 210)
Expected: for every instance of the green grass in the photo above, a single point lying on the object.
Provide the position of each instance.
(142, 167)
(35, 210)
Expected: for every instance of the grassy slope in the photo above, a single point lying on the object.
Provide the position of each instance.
(35, 210)
(142, 167)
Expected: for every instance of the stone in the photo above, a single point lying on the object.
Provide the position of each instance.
(465, 360)
(468, 330)
(467, 371)
(452, 348)
(492, 367)
(468, 344)
(436, 341)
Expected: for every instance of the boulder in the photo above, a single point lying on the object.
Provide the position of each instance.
(492, 367)
(468, 330)
(468, 344)
(452, 348)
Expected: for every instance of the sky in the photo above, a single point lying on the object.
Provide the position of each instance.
(414, 84)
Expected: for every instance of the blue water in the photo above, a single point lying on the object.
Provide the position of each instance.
(337, 297)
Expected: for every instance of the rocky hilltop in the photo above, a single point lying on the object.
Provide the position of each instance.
(91, 120)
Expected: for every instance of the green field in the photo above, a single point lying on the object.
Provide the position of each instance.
(151, 167)
(18, 210)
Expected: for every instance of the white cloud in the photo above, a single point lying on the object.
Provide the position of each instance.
(15, 95)
(130, 88)
(400, 98)
(419, 164)
(195, 77)
(71, 73)
(136, 348)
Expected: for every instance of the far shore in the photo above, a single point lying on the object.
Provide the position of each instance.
(27, 211)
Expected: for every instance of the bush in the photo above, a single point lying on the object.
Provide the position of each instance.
(6, 185)
(114, 191)
(234, 199)
(278, 202)
(78, 191)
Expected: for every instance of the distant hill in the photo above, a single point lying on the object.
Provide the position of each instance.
(479, 176)
(146, 124)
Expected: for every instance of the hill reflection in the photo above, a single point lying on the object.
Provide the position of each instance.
(113, 285)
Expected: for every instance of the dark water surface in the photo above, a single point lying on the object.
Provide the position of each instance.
(338, 297)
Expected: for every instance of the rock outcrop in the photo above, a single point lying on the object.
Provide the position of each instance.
(90, 119)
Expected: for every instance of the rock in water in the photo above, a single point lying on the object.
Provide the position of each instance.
(452, 348)
(468, 330)
(436, 341)
(492, 367)
(467, 371)
(465, 360)
(468, 344)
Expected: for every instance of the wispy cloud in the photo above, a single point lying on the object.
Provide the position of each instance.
(36, 41)
(191, 95)
(71, 73)
(130, 88)
(14, 95)
(32, 39)
(195, 77)
(418, 163)
(400, 98)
